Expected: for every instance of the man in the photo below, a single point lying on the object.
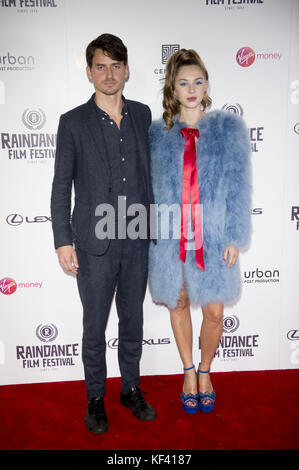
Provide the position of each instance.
(102, 147)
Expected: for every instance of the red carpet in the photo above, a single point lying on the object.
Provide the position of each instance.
(254, 411)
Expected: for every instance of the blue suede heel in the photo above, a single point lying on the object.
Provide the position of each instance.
(189, 401)
(206, 397)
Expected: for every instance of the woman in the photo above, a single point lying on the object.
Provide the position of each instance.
(203, 156)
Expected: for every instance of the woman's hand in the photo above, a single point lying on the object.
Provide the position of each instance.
(232, 252)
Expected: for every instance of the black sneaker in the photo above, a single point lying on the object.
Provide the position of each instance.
(137, 404)
(95, 418)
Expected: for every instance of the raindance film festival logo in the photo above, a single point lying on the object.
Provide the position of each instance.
(34, 146)
(28, 6)
(47, 356)
(233, 347)
(167, 51)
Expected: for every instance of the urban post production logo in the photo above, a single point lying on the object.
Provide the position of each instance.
(34, 146)
(12, 62)
(259, 275)
(48, 355)
(233, 346)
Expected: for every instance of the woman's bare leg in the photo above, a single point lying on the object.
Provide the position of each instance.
(210, 334)
(182, 328)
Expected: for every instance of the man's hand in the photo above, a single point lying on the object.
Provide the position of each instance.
(232, 252)
(68, 259)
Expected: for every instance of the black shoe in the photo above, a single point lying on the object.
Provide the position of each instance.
(137, 404)
(95, 418)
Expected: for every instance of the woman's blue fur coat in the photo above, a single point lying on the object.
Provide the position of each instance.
(224, 175)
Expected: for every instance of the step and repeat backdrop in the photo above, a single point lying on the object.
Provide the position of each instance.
(251, 50)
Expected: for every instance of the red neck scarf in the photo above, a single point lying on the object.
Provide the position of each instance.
(190, 188)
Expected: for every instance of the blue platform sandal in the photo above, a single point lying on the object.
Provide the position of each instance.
(189, 401)
(206, 399)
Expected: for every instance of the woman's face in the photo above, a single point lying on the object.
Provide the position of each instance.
(190, 86)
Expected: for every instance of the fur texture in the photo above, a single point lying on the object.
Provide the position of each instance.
(224, 176)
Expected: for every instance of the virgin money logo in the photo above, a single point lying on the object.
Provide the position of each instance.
(245, 56)
(8, 286)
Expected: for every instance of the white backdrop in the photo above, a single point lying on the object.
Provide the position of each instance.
(42, 74)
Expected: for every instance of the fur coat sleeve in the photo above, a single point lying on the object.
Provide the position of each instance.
(238, 199)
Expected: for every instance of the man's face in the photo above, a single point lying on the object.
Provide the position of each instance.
(108, 75)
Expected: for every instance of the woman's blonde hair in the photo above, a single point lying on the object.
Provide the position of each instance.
(170, 104)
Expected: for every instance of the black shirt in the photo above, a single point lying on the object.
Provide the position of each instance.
(123, 157)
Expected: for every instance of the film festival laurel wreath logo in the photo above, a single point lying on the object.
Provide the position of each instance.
(33, 146)
(34, 119)
(47, 355)
(234, 347)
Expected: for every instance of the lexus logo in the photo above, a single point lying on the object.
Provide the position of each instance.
(113, 342)
(14, 219)
(293, 335)
(17, 219)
